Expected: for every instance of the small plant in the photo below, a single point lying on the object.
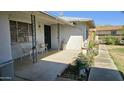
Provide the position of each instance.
(91, 44)
(79, 70)
(82, 64)
(82, 61)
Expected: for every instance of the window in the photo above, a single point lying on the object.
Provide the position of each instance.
(20, 31)
(113, 32)
(13, 31)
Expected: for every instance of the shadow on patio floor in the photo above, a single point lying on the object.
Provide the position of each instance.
(47, 68)
(104, 74)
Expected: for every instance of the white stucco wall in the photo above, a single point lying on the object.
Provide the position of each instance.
(39, 31)
(74, 43)
(5, 48)
(5, 40)
(20, 17)
(71, 35)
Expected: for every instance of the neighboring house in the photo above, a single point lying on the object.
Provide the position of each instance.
(104, 31)
(22, 32)
(109, 30)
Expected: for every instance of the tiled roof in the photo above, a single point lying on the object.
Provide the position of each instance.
(108, 28)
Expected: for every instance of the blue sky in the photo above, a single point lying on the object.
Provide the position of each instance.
(100, 17)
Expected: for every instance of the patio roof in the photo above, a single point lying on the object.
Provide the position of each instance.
(88, 21)
(58, 20)
(43, 16)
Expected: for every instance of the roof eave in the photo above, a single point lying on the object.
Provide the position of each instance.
(90, 23)
(58, 20)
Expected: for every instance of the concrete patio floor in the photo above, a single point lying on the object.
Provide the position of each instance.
(104, 68)
(46, 69)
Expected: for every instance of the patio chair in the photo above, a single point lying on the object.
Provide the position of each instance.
(46, 49)
(42, 47)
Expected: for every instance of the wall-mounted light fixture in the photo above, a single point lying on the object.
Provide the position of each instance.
(39, 26)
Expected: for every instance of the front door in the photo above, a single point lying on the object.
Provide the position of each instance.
(47, 35)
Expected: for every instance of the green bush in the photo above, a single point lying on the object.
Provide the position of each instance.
(83, 61)
(110, 40)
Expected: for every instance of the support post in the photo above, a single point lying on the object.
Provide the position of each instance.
(34, 49)
(58, 30)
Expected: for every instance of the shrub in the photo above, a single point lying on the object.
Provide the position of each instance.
(83, 61)
(109, 40)
(112, 40)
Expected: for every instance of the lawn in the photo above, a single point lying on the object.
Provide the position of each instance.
(117, 53)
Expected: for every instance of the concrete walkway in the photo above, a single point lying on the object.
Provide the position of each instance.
(49, 67)
(104, 68)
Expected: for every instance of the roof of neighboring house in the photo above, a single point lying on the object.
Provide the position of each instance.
(89, 21)
(109, 28)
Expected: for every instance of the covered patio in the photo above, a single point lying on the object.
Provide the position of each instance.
(31, 41)
(47, 68)
(32, 35)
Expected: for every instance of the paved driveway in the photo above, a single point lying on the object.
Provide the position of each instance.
(49, 67)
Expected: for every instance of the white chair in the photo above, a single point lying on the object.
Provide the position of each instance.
(46, 49)
(42, 47)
